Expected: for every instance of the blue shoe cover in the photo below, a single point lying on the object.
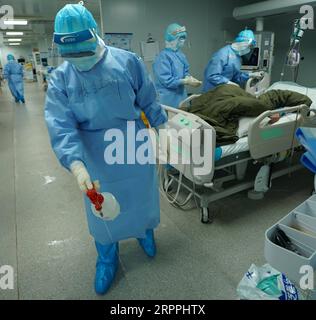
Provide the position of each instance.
(106, 267)
(148, 244)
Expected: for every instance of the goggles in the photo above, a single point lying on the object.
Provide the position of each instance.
(179, 30)
(66, 40)
(74, 37)
(252, 43)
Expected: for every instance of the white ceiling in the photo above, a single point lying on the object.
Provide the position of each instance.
(40, 15)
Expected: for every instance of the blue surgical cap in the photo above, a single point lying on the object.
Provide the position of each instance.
(175, 31)
(246, 36)
(10, 57)
(74, 18)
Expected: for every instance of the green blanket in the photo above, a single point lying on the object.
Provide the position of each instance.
(223, 106)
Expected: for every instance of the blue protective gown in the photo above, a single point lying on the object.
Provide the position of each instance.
(307, 137)
(80, 107)
(13, 72)
(169, 68)
(224, 66)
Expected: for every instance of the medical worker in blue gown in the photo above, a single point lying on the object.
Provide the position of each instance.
(224, 66)
(171, 68)
(13, 73)
(99, 88)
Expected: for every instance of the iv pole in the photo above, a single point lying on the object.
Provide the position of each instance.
(293, 56)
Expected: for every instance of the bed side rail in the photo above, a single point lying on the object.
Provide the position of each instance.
(186, 102)
(179, 119)
(268, 139)
(173, 112)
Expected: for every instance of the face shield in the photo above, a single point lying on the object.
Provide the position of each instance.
(243, 48)
(76, 36)
(84, 55)
(175, 38)
(82, 49)
(178, 32)
(181, 41)
(76, 44)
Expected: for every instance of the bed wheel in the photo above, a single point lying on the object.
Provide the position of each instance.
(205, 215)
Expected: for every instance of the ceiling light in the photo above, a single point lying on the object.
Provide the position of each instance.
(14, 40)
(14, 33)
(15, 22)
(14, 44)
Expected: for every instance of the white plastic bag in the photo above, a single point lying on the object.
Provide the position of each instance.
(266, 283)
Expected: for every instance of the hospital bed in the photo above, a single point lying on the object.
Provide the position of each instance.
(246, 164)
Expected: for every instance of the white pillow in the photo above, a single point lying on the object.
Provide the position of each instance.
(243, 127)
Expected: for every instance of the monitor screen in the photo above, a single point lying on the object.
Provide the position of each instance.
(44, 62)
(252, 59)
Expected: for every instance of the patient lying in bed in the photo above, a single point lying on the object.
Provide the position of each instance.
(223, 106)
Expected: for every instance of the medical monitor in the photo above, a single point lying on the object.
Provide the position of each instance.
(251, 61)
(44, 62)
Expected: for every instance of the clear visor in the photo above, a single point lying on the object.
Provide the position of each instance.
(76, 44)
(179, 30)
(241, 46)
(252, 43)
(74, 37)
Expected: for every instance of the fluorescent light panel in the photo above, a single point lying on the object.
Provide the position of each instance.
(14, 33)
(14, 44)
(15, 22)
(14, 40)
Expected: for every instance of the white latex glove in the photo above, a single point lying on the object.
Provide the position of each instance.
(186, 81)
(80, 172)
(195, 82)
(233, 83)
(257, 75)
(190, 81)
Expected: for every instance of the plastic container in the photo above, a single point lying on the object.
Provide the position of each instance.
(110, 208)
(300, 227)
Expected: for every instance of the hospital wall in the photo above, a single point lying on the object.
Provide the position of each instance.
(209, 23)
(283, 26)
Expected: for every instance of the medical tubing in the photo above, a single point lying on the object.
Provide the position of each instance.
(173, 200)
(193, 193)
(297, 68)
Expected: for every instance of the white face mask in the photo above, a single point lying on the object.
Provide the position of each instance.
(241, 48)
(87, 63)
(171, 45)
